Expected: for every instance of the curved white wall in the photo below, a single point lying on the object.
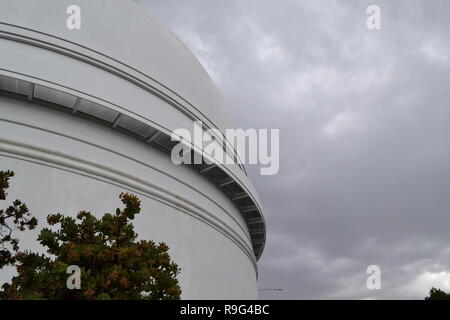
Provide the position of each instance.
(65, 165)
(77, 113)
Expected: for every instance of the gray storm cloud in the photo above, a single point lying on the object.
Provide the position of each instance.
(364, 119)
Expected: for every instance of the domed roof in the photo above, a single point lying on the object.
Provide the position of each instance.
(138, 43)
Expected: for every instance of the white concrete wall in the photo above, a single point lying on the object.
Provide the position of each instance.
(124, 61)
(206, 234)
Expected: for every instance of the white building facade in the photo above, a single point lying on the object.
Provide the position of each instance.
(87, 113)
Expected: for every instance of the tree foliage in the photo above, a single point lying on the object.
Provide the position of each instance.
(16, 217)
(113, 263)
(437, 294)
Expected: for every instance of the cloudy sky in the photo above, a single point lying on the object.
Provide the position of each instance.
(364, 119)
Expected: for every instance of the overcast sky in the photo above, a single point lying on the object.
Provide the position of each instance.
(364, 119)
